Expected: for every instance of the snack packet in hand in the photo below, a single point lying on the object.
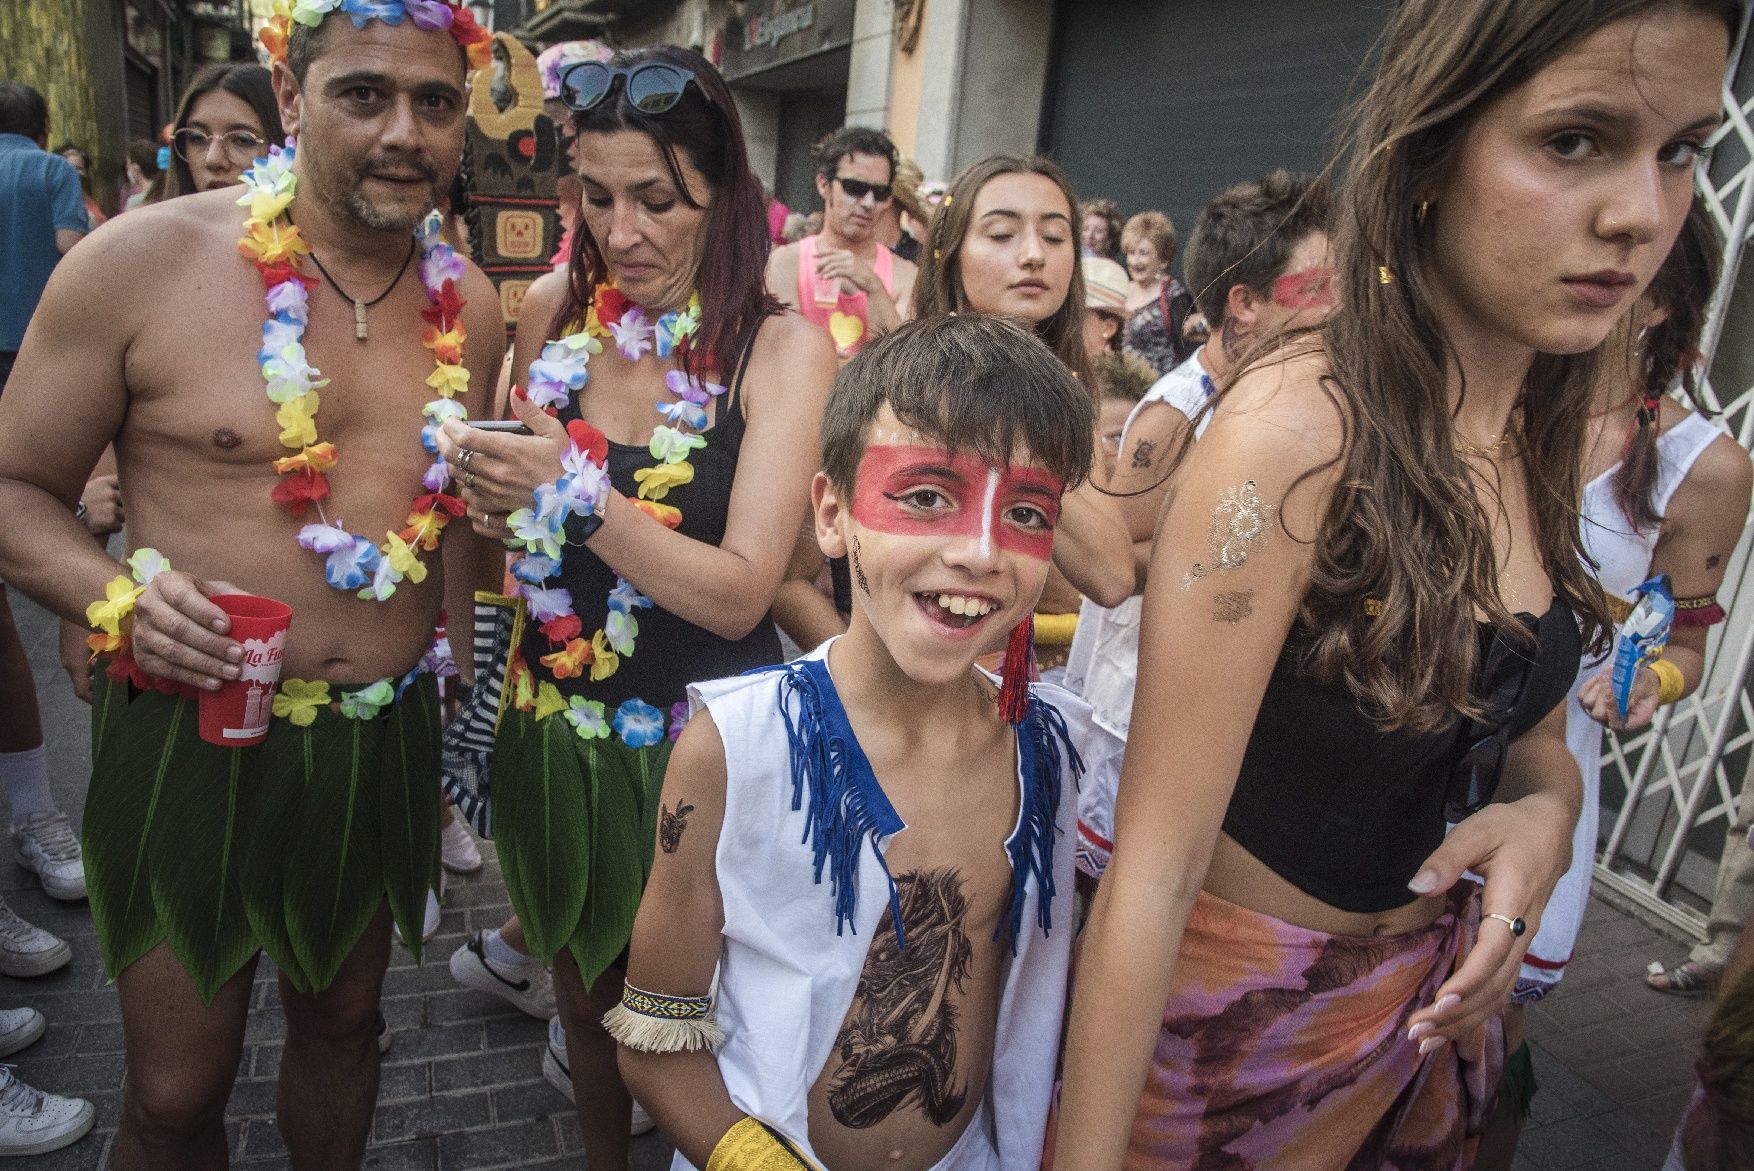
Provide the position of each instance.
(1642, 636)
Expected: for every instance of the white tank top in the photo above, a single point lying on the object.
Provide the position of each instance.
(1623, 556)
(790, 963)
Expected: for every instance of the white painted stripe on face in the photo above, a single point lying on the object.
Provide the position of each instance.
(988, 519)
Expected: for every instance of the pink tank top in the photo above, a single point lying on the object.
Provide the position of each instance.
(843, 315)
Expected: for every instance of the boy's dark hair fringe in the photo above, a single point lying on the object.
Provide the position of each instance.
(975, 383)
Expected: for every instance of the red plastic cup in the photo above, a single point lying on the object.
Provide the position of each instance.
(238, 714)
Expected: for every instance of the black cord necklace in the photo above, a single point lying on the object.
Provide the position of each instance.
(359, 307)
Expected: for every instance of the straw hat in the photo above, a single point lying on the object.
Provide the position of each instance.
(1105, 286)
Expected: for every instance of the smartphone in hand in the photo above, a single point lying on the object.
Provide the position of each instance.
(503, 426)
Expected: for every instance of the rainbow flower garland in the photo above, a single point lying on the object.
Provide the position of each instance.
(273, 244)
(555, 377)
(456, 19)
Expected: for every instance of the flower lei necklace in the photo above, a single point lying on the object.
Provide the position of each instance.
(273, 244)
(583, 489)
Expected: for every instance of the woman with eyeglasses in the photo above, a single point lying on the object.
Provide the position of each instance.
(226, 120)
(675, 412)
(1365, 608)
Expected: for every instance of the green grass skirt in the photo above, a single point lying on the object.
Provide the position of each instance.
(288, 847)
(575, 821)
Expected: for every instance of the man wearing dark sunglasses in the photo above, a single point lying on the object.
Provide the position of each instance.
(842, 278)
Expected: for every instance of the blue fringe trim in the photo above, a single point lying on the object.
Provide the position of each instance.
(848, 807)
(846, 804)
(1043, 743)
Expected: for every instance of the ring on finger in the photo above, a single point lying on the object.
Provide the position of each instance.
(1516, 925)
(468, 479)
(463, 459)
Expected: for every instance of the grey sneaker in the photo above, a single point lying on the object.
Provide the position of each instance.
(556, 1074)
(20, 1027)
(527, 985)
(34, 1123)
(27, 950)
(45, 845)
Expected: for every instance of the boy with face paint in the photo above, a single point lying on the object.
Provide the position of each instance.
(876, 852)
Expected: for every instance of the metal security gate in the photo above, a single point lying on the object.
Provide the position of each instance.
(1669, 793)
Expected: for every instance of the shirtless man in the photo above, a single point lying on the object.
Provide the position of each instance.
(201, 857)
(843, 279)
(862, 844)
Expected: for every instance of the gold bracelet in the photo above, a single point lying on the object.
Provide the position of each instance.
(750, 1146)
(1670, 682)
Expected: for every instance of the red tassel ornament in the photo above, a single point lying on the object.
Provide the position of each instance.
(1016, 671)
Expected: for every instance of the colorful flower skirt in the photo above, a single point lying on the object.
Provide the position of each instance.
(575, 820)
(288, 847)
(1284, 1049)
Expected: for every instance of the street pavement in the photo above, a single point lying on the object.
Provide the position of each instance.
(462, 1083)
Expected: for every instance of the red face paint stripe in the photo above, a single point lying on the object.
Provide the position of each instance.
(972, 505)
(1308, 288)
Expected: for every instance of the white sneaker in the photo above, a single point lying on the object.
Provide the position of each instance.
(27, 950)
(20, 1027)
(34, 1123)
(384, 1035)
(429, 923)
(528, 986)
(458, 852)
(45, 844)
(556, 1073)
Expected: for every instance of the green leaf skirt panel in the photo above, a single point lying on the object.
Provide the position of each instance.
(287, 847)
(575, 821)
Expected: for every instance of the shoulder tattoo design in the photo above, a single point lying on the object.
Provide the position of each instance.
(1237, 529)
(897, 1048)
(1233, 606)
(1142, 454)
(671, 825)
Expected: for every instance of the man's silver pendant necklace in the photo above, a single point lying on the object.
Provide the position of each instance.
(359, 307)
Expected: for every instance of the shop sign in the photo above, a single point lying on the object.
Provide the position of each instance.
(772, 32)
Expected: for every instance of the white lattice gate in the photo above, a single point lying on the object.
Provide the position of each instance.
(1669, 793)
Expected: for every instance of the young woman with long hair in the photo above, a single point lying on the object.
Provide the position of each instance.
(1666, 492)
(1004, 242)
(227, 119)
(1364, 611)
(675, 410)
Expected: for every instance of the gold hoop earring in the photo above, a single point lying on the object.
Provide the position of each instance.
(1419, 213)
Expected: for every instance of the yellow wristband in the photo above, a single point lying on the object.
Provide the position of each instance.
(1670, 682)
(750, 1146)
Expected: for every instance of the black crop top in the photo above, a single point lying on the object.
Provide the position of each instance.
(1345, 811)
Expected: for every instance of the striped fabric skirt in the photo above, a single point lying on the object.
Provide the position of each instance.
(1284, 1049)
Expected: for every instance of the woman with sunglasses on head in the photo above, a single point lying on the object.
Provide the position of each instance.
(674, 410)
(227, 119)
(1364, 610)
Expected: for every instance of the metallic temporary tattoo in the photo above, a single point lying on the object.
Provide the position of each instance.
(859, 570)
(1142, 454)
(671, 825)
(1238, 528)
(897, 1049)
(1233, 606)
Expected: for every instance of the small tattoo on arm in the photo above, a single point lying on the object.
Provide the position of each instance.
(1713, 561)
(859, 571)
(1238, 528)
(225, 438)
(1142, 454)
(1233, 606)
(671, 825)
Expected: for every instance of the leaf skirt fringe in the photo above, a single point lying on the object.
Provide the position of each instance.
(575, 822)
(288, 847)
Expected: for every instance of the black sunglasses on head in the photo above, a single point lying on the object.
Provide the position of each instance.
(857, 189)
(653, 87)
(1503, 678)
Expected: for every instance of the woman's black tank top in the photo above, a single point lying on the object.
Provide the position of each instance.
(1345, 811)
(669, 653)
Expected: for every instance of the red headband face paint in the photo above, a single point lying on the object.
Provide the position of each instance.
(1307, 288)
(916, 491)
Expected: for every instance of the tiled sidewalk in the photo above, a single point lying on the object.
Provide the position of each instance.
(462, 1084)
